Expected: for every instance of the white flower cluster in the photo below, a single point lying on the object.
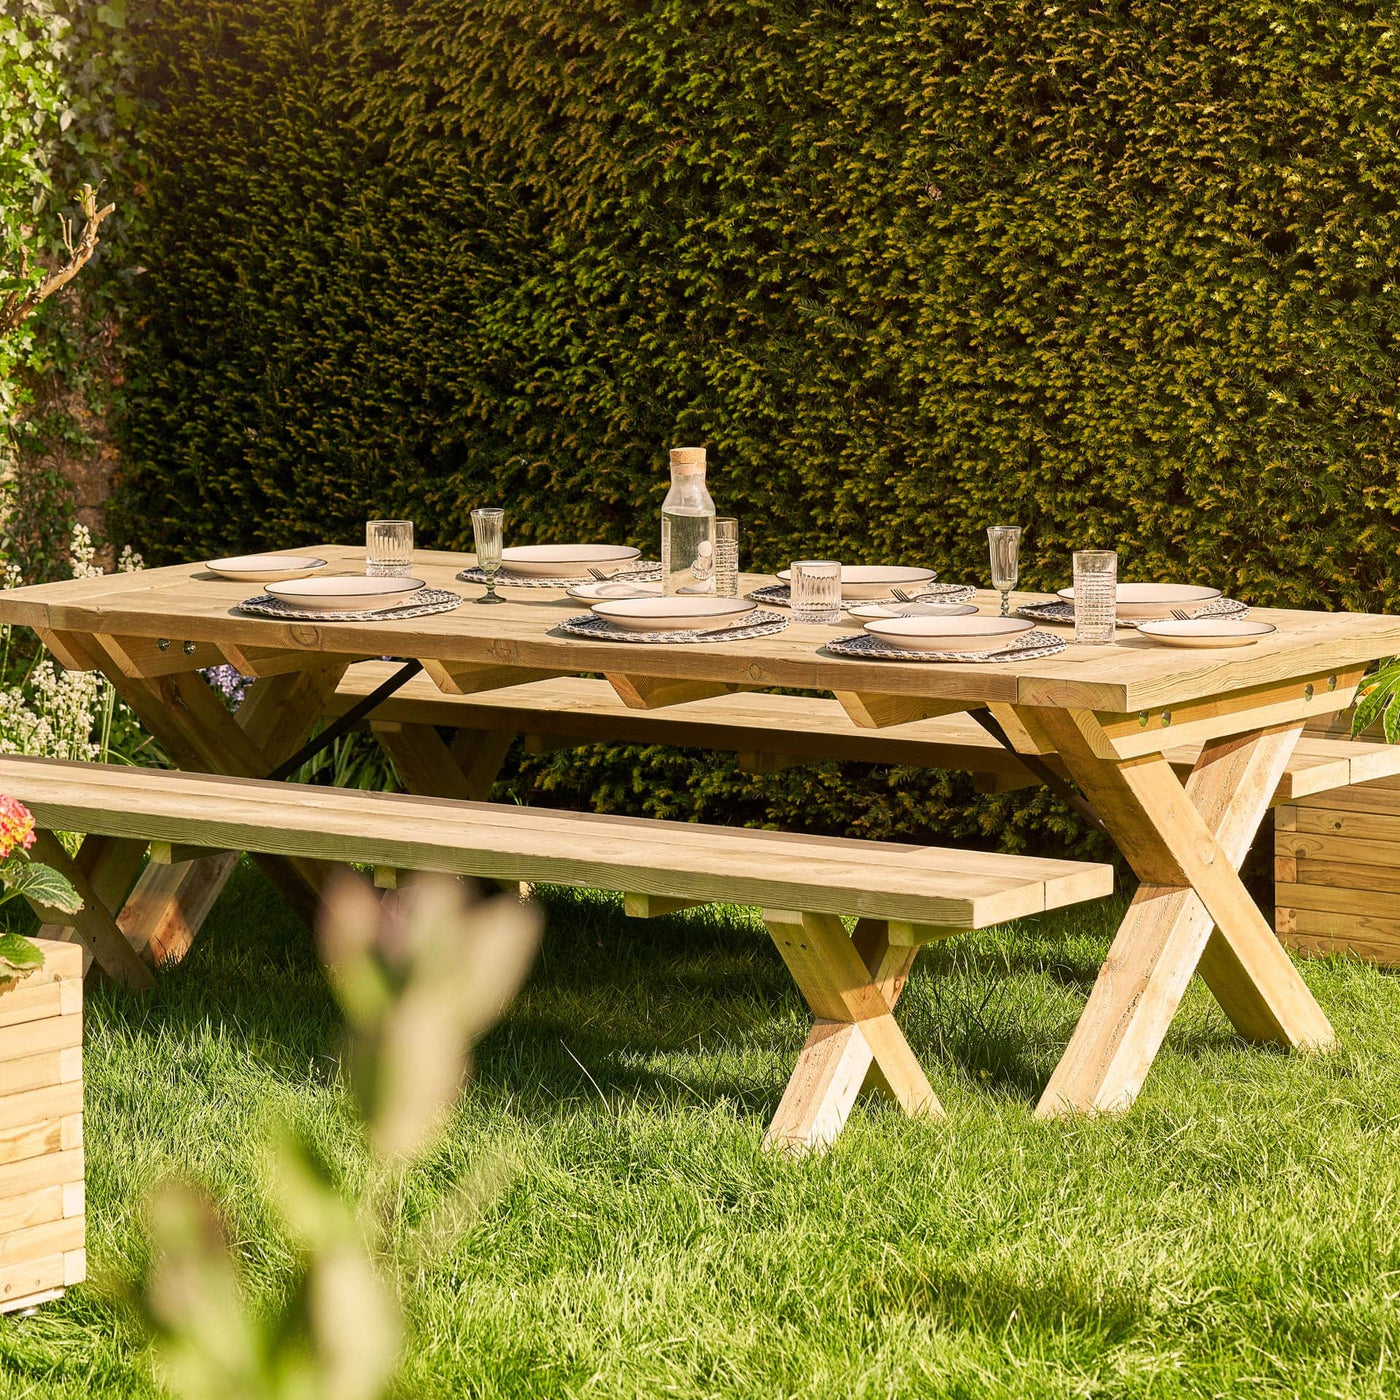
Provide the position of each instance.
(49, 712)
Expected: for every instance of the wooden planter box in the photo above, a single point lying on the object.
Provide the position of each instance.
(41, 1131)
(1337, 872)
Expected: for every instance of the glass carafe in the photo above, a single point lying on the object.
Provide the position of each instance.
(688, 527)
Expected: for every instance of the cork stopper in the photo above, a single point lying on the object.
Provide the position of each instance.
(687, 459)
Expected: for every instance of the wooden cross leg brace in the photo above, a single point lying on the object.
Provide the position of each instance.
(1191, 912)
(163, 912)
(852, 983)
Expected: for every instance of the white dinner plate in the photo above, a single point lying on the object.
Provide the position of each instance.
(564, 560)
(346, 592)
(613, 589)
(949, 633)
(1207, 631)
(876, 580)
(673, 614)
(868, 611)
(264, 568)
(1142, 600)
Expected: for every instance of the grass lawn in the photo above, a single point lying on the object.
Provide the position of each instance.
(1237, 1234)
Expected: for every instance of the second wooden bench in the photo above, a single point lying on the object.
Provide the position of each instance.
(902, 896)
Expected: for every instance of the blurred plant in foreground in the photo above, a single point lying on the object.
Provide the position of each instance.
(420, 977)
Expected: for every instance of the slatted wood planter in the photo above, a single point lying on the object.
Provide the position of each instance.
(1337, 866)
(41, 1131)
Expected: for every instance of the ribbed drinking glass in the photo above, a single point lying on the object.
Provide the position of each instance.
(488, 532)
(389, 548)
(816, 590)
(1095, 595)
(726, 556)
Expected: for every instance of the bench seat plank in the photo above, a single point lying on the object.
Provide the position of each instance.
(795, 726)
(932, 885)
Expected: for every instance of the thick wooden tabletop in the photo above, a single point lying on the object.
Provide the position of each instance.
(186, 604)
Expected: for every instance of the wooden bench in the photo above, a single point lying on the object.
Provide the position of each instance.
(768, 732)
(1337, 807)
(903, 896)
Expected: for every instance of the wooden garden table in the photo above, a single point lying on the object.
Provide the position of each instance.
(1109, 712)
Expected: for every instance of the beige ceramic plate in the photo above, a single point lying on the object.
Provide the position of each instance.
(1207, 632)
(949, 633)
(346, 592)
(564, 560)
(876, 580)
(1138, 600)
(264, 568)
(673, 614)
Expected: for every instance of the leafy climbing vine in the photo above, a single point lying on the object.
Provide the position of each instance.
(65, 131)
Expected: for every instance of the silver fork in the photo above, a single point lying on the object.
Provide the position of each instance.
(1180, 615)
(901, 596)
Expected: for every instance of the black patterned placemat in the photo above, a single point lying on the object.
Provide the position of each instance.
(780, 594)
(423, 603)
(755, 624)
(1027, 647)
(643, 571)
(1062, 611)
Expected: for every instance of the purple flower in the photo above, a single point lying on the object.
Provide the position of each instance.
(228, 682)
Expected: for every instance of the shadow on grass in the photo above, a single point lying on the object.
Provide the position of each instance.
(693, 1008)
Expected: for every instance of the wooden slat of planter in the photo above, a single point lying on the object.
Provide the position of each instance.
(1344, 850)
(38, 1106)
(1364, 826)
(40, 1241)
(1345, 875)
(1320, 931)
(35, 1173)
(1339, 901)
(41, 1071)
(22, 1284)
(40, 1037)
(31, 1140)
(1381, 798)
(37, 1208)
(34, 999)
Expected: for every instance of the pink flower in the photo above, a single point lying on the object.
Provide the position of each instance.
(16, 826)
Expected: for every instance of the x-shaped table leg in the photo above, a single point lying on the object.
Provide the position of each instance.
(1191, 912)
(161, 915)
(852, 984)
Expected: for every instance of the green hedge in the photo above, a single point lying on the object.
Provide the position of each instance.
(1125, 273)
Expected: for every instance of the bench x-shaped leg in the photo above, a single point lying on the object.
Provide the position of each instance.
(161, 915)
(852, 984)
(1191, 912)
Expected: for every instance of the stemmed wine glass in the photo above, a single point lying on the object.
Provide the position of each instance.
(487, 530)
(1005, 544)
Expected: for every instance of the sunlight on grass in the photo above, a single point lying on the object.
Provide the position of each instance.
(1237, 1233)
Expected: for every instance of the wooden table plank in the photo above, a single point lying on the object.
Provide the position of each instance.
(1130, 675)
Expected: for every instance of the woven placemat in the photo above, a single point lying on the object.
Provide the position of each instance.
(780, 595)
(421, 604)
(1063, 611)
(1027, 647)
(755, 624)
(643, 571)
